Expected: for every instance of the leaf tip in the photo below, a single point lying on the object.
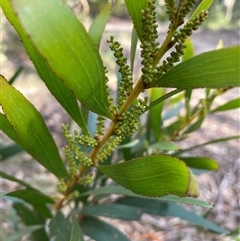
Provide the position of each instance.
(193, 188)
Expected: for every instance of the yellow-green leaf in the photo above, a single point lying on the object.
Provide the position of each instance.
(55, 85)
(67, 48)
(204, 5)
(214, 69)
(154, 176)
(201, 162)
(30, 128)
(233, 104)
(98, 25)
(134, 8)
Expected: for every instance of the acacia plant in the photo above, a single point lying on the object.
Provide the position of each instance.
(140, 155)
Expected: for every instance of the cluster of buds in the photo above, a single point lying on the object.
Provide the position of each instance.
(171, 9)
(189, 27)
(149, 44)
(75, 156)
(126, 83)
(87, 179)
(112, 107)
(84, 139)
(179, 39)
(100, 126)
(109, 146)
(129, 121)
(184, 7)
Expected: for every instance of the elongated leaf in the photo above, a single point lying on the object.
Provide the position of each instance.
(214, 69)
(204, 5)
(187, 200)
(4, 193)
(123, 191)
(31, 196)
(14, 179)
(7, 128)
(129, 144)
(35, 198)
(31, 129)
(233, 104)
(154, 116)
(69, 51)
(16, 74)
(201, 162)
(60, 228)
(76, 232)
(63, 230)
(30, 217)
(164, 145)
(134, 40)
(112, 211)
(19, 234)
(208, 143)
(100, 230)
(196, 125)
(163, 208)
(98, 25)
(64, 96)
(189, 51)
(154, 176)
(134, 9)
(162, 98)
(9, 151)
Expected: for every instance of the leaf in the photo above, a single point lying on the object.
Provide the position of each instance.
(201, 162)
(30, 217)
(4, 193)
(9, 151)
(189, 50)
(155, 115)
(233, 104)
(204, 5)
(31, 196)
(134, 40)
(129, 144)
(35, 198)
(187, 200)
(196, 125)
(69, 51)
(60, 228)
(123, 191)
(164, 145)
(118, 211)
(163, 208)
(214, 69)
(14, 179)
(134, 9)
(76, 232)
(64, 96)
(162, 98)
(98, 25)
(30, 129)
(7, 128)
(19, 234)
(63, 230)
(154, 176)
(208, 143)
(16, 74)
(100, 230)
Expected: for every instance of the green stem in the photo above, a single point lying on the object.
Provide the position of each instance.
(194, 116)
